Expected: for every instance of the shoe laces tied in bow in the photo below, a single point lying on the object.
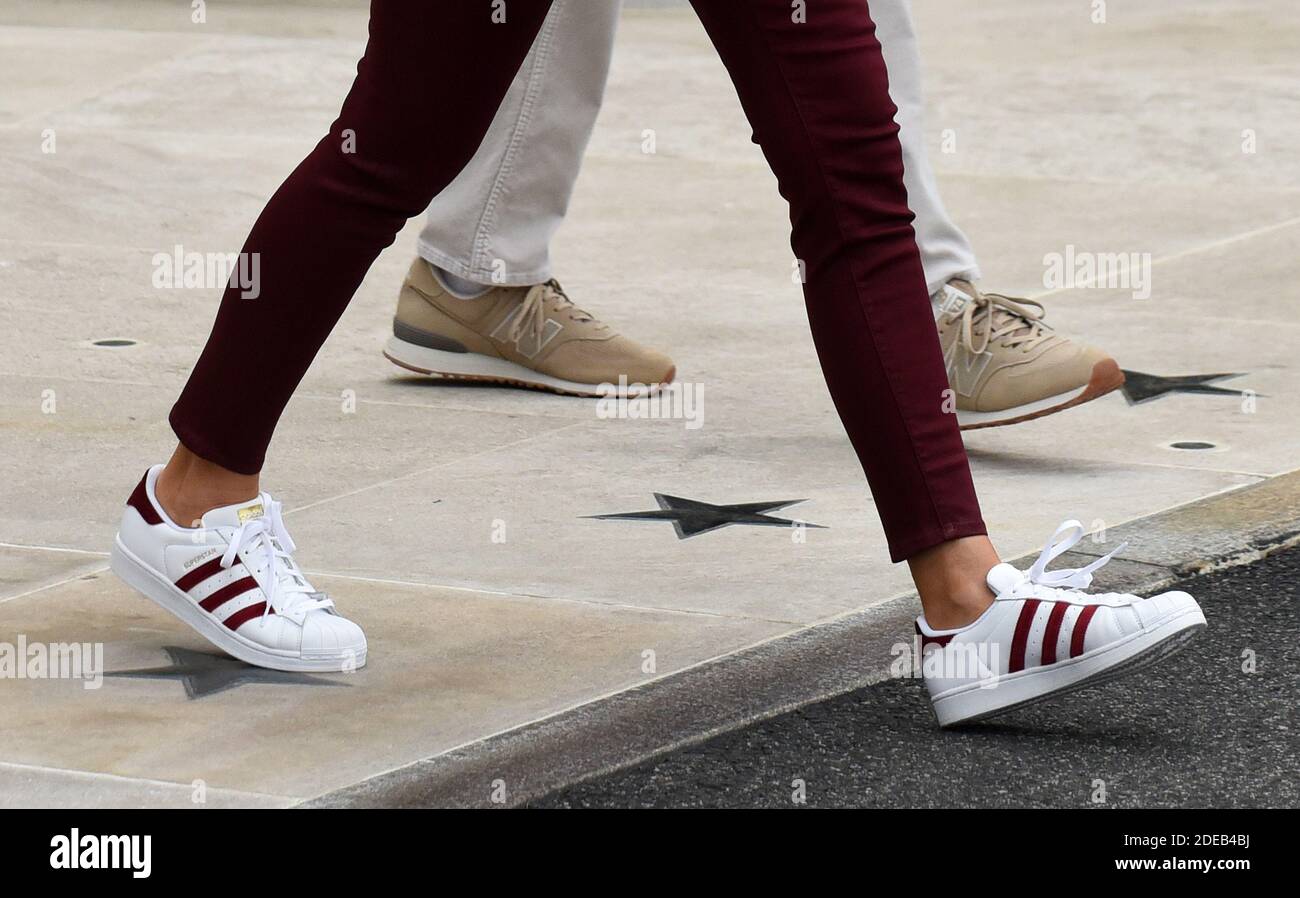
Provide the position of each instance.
(270, 561)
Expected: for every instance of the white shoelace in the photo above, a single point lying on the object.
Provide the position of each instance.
(271, 556)
(1065, 538)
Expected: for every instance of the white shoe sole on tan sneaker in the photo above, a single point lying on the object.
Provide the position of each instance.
(156, 587)
(1106, 378)
(474, 366)
(975, 701)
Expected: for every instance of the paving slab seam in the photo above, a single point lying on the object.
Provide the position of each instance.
(1165, 465)
(789, 671)
(1186, 253)
(1089, 180)
(74, 244)
(144, 780)
(424, 584)
(71, 550)
(317, 397)
(80, 575)
(453, 407)
(420, 584)
(420, 473)
(575, 600)
(130, 135)
(110, 381)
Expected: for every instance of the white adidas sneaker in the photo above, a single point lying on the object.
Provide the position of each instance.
(1043, 636)
(234, 580)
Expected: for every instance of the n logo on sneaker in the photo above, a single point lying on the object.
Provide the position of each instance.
(965, 378)
(526, 344)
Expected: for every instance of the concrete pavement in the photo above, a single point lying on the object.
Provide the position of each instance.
(1212, 727)
(126, 130)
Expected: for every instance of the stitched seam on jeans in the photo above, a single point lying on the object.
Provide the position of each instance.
(785, 81)
(907, 548)
(543, 45)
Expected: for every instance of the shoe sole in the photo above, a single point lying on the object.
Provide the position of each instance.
(476, 367)
(1106, 378)
(976, 702)
(143, 579)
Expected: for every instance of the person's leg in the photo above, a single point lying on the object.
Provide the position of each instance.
(946, 253)
(384, 158)
(836, 156)
(494, 222)
(990, 635)
(484, 259)
(1023, 370)
(198, 536)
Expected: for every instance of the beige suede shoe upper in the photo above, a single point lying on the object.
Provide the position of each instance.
(1000, 355)
(537, 327)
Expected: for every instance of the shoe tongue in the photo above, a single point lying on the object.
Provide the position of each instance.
(1003, 577)
(235, 515)
(560, 300)
(954, 295)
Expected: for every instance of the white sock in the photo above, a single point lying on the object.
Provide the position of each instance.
(458, 287)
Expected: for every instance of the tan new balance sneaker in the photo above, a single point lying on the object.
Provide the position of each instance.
(1005, 365)
(523, 336)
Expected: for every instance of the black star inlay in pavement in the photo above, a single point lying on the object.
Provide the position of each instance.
(207, 674)
(1139, 387)
(691, 518)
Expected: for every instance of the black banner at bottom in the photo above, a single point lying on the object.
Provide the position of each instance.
(331, 849)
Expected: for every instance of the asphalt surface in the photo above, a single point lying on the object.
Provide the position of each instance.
(1194, 731)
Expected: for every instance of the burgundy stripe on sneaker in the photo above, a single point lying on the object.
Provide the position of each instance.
(244, 615)
(140, 502)
(199, 574)
(1023, 624)
(1053, 632)
(226, 593)
(1081, 630)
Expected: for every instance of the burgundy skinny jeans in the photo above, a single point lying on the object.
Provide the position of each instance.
(816, 95)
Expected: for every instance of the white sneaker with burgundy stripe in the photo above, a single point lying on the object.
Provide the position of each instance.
(1043, 636)
(234, 580)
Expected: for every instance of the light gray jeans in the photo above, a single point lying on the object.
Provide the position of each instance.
(495, 222)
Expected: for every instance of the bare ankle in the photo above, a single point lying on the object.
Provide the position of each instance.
(189, 487)
(950, 579)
